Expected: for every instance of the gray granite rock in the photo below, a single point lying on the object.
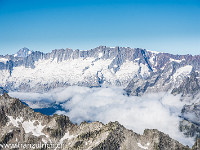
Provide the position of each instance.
(159, 64)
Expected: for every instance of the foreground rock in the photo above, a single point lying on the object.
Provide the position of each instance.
(21, 126)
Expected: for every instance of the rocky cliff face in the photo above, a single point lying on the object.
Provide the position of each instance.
(164, 80)
(190, 125)
(21, 126)
(2, 91)
(189, 86)
(99, 66)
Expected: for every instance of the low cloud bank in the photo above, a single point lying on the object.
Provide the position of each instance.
(152, 111)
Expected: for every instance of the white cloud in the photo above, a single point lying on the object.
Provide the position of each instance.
(153, 111)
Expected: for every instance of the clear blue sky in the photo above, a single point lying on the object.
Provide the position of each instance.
(162, 25)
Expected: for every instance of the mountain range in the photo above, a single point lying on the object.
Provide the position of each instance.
(149, 71)
(138, 71)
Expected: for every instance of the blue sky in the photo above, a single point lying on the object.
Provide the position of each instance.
(162, 25)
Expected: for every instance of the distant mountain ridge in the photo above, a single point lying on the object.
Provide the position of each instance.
(103, 65)
(24, 52)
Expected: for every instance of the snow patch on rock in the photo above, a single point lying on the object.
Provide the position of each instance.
(141, 146)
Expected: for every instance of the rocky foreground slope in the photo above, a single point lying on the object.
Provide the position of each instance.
(21, 126)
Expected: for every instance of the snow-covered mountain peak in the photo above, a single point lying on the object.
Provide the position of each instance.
(24, 52)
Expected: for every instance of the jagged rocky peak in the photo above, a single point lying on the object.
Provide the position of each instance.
(190, 125)
(189, 87)
(24, 52)
(20, 124)
(192, 110)
(164, 80)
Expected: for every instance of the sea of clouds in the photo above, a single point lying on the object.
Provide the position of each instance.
(151, 111)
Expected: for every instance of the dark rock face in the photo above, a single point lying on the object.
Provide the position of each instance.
(192, 110)
(196, 145)
(160, 81)
(20, 124)
(189, 90)
(190, 125)
(190, 86)
(190, 129)
(138, 87)
(2, 91)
